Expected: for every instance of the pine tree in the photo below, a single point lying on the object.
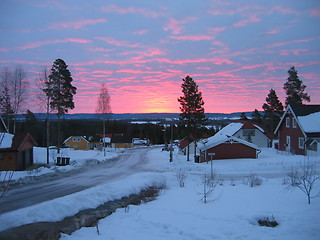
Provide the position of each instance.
(295, 89)
(243, 116)
(273, 110)
(256, 116)
(192, 112)
(60, 90)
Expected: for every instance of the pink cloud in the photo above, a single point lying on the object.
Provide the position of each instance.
(193, 37)
(140, 32)
(217, 30)
(291, 42)
(99, 49)
(245, 22)
(175, 25)
(77, 24)
(40, 44)
(297, 52)
(315, 12)
(142, 11)
(102, 72)
(146, 53)
(118, 42)
(286, 10)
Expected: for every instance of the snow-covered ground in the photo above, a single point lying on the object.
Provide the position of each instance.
(231, 212)
(78, 158)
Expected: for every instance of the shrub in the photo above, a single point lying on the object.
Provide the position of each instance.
(253, 180)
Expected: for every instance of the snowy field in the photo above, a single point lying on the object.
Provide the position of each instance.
(231, 212)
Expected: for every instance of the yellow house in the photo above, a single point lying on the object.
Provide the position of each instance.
(77, 143)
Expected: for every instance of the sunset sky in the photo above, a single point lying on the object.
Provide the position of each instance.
(236, 51)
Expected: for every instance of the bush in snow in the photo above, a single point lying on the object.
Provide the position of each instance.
(268, 222)
(304, 177)
(253, 180)
(181, 177)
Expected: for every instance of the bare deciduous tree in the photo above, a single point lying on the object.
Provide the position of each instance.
(306, 178)
(42, 83)
(210, 182)
(104, 108)
(15, 85)
(181, 177)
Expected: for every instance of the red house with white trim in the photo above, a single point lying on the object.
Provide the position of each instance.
(299, 129)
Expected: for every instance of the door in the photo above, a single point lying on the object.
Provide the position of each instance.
(288, 144)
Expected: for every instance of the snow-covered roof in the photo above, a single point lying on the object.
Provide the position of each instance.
(225, 134)
(230, 129)
(310, 123)
(106, 140)
(6, 140)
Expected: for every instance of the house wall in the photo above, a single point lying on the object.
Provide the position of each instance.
(294, 133)
(230, 151)
(185, 150)
(8, 161)
(122, 145)
(258, 139)
(82, 145)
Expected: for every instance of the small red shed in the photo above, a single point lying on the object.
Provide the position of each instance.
(16, 151)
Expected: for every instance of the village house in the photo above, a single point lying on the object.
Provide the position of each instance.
(298, 131)
(77, 143)
(16, 151)
(223, 145)
(250, 131)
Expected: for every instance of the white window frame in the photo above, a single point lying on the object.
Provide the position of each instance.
(301, 143)
(287, 122)
(294, 123)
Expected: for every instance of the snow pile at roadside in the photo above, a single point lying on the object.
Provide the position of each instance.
(231, 213)
(58, 209)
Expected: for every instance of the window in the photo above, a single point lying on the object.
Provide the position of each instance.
(288, 122)
(76, 139)
(248, 132)
(1, 156)
(301, 143)
(294, 123)
(75, 146)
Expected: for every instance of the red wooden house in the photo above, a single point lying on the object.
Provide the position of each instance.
(299, 129)
(16, 151)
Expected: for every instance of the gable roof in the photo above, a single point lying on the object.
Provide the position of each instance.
(225, 135)
(75, 137)
(121, 139)
(17, 141)
(307, 116)
(219, 139)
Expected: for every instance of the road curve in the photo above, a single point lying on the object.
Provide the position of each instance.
(130, 162)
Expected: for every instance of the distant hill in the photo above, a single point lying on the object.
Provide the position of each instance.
(132, 116)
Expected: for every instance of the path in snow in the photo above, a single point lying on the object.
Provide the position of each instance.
(128, 163)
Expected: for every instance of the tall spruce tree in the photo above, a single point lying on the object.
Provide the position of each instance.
(192, 111)
(295, 89)
(273, 110)
(256, 116)
(60, 91)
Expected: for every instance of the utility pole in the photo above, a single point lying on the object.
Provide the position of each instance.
(171, 142)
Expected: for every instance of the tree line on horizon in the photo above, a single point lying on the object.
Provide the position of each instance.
(55, 94)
